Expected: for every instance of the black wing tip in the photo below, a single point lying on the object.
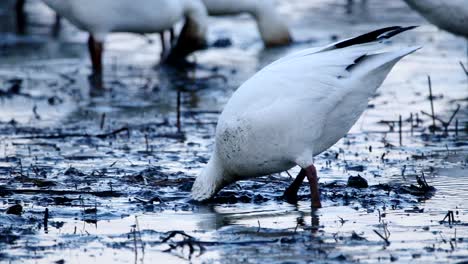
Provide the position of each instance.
(395, 31)
(376, 35)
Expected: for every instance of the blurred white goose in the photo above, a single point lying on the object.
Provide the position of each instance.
(294, 109)
(271, 25)
(102, 17)
(10, 9)
(450, 15)
(21, 18)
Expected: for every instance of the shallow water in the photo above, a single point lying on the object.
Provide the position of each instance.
(248, 222)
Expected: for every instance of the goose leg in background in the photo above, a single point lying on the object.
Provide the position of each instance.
(166, 46)
(172, 37)
(349, 6)
(163, 43)
(57, 26)
(20, 17)
(95, 52)
(291, 192)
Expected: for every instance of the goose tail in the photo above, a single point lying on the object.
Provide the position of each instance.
(372, 69)
(373, 36)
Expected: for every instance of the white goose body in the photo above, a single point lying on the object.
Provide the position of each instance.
(102, 17)
(295, 108)
(271, 25)
(138, 16)
(450, 15)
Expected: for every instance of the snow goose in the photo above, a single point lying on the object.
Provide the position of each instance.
(448, 15)
(102, 17)
(294, 109)
(21, 17)
(271, 25)
(10, 9)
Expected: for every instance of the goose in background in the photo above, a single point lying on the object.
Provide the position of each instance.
(13, 9)
(294, 109)
(17, 9)
(350, 4)
(450, 15)
(271, 25)
(103, 17)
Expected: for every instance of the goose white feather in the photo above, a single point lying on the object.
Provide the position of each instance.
(102, 17)
(140, 16)
(294, 109)
(271, 25)
(449, 15)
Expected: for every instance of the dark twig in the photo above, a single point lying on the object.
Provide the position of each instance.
(411, 121)
(450, 218)
(179, 95)
(103, 120)
(445, 124)
(46, 219)
(432, 103)
(68, 135)
(59, 192)
(464, 69)
(386, 234)
(400, 125)
(172, 234)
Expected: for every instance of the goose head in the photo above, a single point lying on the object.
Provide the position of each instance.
(213, 178)
(273, 30)
(193, 34)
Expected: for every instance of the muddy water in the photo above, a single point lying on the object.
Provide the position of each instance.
(58, 152)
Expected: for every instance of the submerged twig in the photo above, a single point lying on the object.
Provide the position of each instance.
(464, 69)
(450, 218)
(400, 125)
(68, 135)
(432, 103)
(60, 192)
(386, 234)
(179, 96)
(103, 120)
(445, 124)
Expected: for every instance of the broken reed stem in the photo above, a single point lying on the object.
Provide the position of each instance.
(103, 120)
(463, 68)
(60, 192)
(147, 143)
(444, 124)
(450, 217)
(432, 103)
(58, 136)
(46, 219)
(135, 244)
(400, 124)
(137, 226)
(453, 115)
(178, 111)
(411, 123)
(386, 234)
